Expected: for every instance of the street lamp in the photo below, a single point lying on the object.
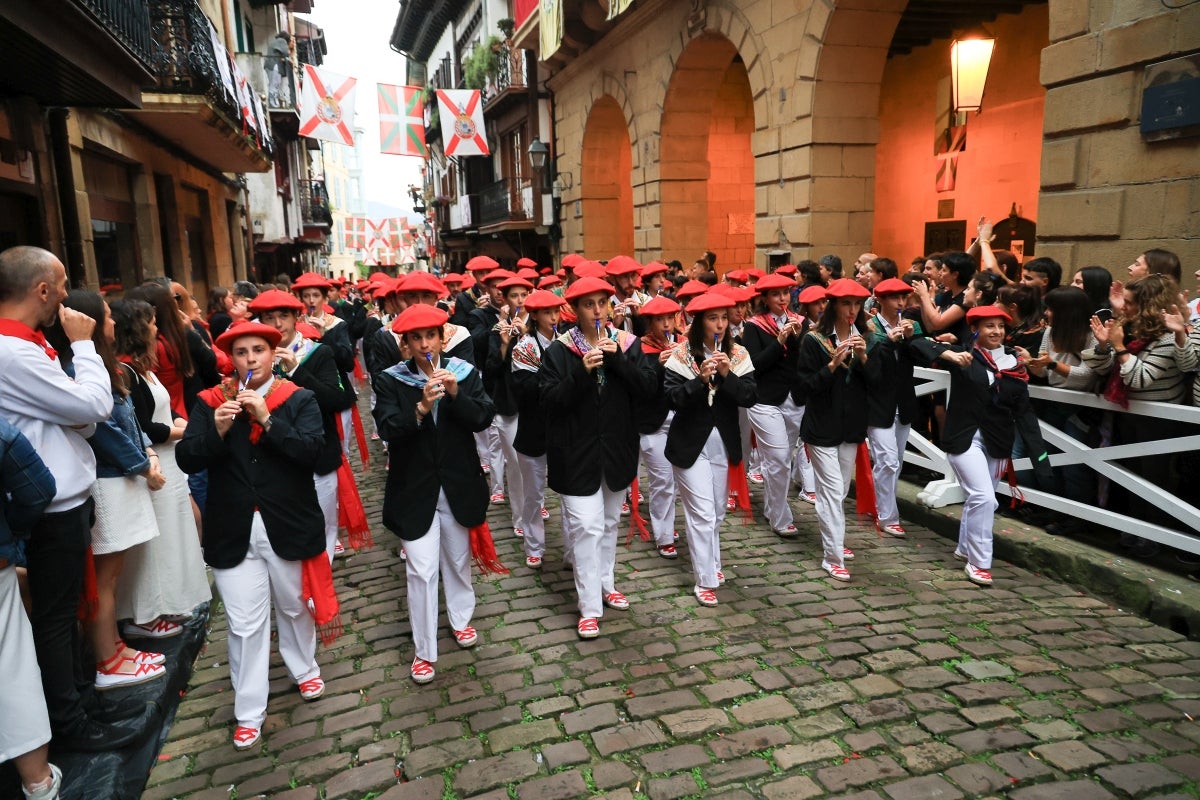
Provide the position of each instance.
(539, 153)
(969, 61)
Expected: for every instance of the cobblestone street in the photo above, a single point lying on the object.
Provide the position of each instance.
(908, 682)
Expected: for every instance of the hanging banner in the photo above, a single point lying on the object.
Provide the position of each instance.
(402, 120)
(462, 122)
(327, 106)
(550, 28)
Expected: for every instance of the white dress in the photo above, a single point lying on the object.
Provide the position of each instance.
(166, 575)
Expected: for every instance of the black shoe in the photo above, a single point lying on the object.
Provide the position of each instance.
(100, 737)
(104, 708)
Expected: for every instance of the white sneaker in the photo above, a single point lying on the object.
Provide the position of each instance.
(48, 791)
(977, 575)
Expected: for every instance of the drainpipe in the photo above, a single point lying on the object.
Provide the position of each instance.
(64, 180)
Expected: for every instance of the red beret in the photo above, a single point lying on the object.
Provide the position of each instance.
(308, 331)
(421, 281)
(659, 305)
(509, 283)
(526, 262)
(273, 299)
(774, 281)
(498, 275)
(482, 264)
(739, 275)
(811, 294)
(845, 287)
(453, 277)
(311, 280)
(892, 286)
(419, 317)
(548, 281)
(987, 312)
(586, 286)
(786, 269)
(528, 273)
(226, 340)
(571, 259)
(709, 301)
(623, 265)
(590, 269)
(691, 289)
(654, 268)
(541, 299)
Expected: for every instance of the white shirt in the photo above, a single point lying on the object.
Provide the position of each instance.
(57, 414)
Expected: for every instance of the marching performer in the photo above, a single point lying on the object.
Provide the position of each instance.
(592, 378)
(837, 375)
(429, 409)
(773, 339)
(892, 406)
(708, 379)
(654, 420)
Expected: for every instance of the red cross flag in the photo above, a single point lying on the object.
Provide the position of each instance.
(462, 122)
(356, 235)
(402, 120)
(327, 106)
(379, 234)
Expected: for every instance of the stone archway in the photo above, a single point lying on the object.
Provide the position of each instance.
(707, 165)
(606, 189)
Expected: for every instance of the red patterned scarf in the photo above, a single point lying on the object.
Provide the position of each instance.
(227, 390)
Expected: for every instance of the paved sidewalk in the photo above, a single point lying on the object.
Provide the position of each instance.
(908, 682)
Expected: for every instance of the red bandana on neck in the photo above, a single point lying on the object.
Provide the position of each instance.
(19, 330)
(279, 392)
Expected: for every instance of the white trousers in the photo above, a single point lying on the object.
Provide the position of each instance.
(446, 548)
(887, 454)
(802, 473)
(593, 522)
(248, 592)
(833, 469)
(660, 483)
(22, 703)
(749, 453)
(530, 502)
(978, 474)
(327, 498)
(347, 417)
(487, 444)
(703, 488)
(777, 429)
(506, 432)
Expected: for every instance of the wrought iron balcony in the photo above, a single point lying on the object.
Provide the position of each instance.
(198, 104)
(510, 74)
(77, 52)
(314, 204)
(506, 200)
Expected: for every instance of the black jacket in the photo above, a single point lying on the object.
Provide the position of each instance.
(319, 374)
(496, 373)
(774, 365)
(895, 390)
(429, 457)
(652, 413)
(530, 439)
(480, 323)
(695, 418)
(977, 405)
(338, 338)
(274, 477)
(836, 411)
(143, 408)
(591, 432)
(380, 351)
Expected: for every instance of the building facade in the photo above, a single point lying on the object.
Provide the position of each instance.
(772, 131)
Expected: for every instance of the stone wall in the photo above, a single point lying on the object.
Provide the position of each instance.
(1107, 195)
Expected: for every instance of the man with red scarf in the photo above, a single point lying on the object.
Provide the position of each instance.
(57, 414)
(260, 437)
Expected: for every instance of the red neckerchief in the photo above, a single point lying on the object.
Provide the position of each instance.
(1115, 390)
(227, 390)
(1019, 372)
(769, 324)
(19, 330)
(656, 346)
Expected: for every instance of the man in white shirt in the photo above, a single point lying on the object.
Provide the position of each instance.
(56, 414)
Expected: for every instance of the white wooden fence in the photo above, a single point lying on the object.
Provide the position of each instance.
(1186, 536)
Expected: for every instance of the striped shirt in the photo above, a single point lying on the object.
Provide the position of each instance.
(1158, 373)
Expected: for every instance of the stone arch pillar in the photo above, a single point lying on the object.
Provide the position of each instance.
(606, 189)
(706, 177)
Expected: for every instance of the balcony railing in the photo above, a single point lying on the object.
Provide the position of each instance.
(127, 21)
(184, 60)
(506, 200)
(511, 74)
(314, 204)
